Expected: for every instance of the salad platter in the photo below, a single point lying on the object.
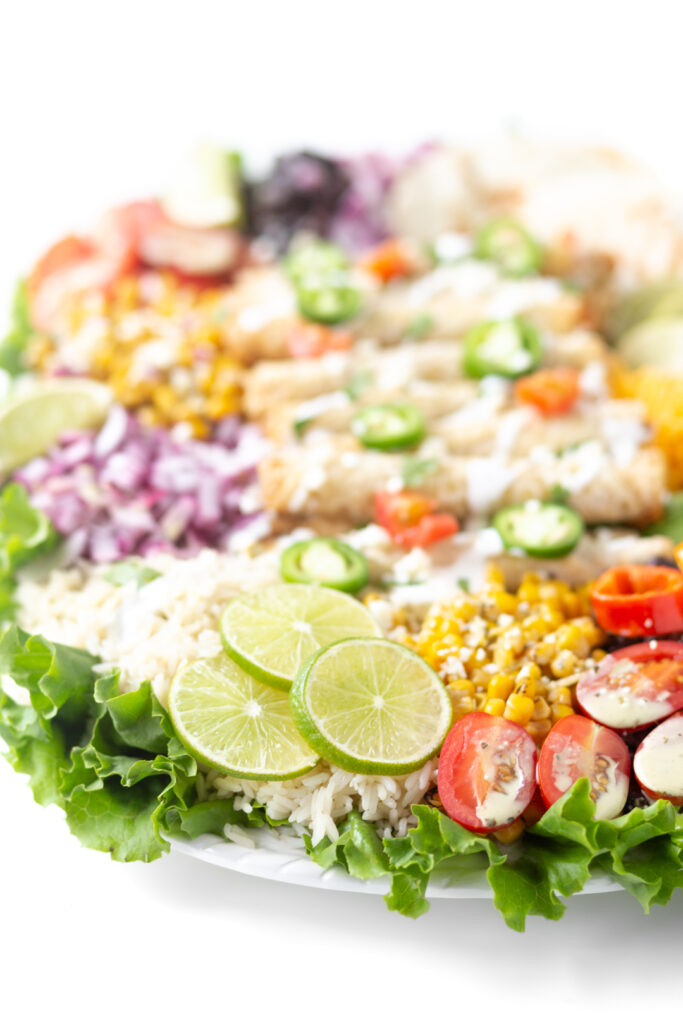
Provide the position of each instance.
(341, 528)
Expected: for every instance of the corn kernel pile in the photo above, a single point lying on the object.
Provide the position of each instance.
(159, 346)
(516, 655)
(662, 396)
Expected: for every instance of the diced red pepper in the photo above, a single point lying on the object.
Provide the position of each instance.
(411, 519)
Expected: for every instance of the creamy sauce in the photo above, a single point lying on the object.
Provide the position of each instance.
(487, 481)
(658, 762)
(609, 798)
(320, 404)
(501, 804)
(618, 706)
(609, 802)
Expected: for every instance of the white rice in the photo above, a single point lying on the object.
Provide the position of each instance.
(152, 632)
(324, 796)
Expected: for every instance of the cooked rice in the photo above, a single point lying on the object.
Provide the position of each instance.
(324, 796)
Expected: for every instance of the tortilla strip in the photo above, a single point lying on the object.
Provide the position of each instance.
(273, 382)
(466, 427)
(592, 556)
(519, 430)
(337, 479)
(432, 399)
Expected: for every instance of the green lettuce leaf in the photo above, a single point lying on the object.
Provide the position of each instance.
(25, 534)
(358, 849)
(13, 344)
(111, 760)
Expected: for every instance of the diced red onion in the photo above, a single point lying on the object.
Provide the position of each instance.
(130, 489)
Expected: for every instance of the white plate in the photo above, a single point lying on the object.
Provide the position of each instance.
(283, 859)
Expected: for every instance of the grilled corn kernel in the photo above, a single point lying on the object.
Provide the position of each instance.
(564, 664)
(541, 709)
(501, 686)
(539, 730)
(558, 711)
(561, 695)
(512, 833)
(494, 706)
(519, 708)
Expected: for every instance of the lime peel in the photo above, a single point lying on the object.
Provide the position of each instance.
(36, 416)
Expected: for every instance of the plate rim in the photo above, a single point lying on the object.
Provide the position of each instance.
(291, 865)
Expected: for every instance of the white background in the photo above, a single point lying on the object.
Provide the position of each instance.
(96, 100)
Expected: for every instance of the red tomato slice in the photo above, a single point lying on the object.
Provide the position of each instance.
(577, 748)
(487, 772)
(552, 391)
(639, 600)
(658, 762)
(411, 520)
(634, 687)
(310, 341)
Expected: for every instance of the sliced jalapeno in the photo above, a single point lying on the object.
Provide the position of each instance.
(507, 348)
(543, 529)
(317, 257)
(326, 561)
(328, 298)
(391, 427)
(507, 244)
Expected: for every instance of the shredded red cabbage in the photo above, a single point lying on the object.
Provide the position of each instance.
(128, 489)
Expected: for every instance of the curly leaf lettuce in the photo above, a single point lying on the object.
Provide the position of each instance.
(111, 760)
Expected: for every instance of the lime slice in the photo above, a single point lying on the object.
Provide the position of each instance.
(657, 342)
(206, 189)
(33, 420)
(272, 631)
(236, 724)
(371, 706)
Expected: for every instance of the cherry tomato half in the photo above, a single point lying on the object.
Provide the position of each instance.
(634, 687)
(658, 762)
(411, 520)
(552, 391)
(639, 600)
(487, 772)
(577, 748)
